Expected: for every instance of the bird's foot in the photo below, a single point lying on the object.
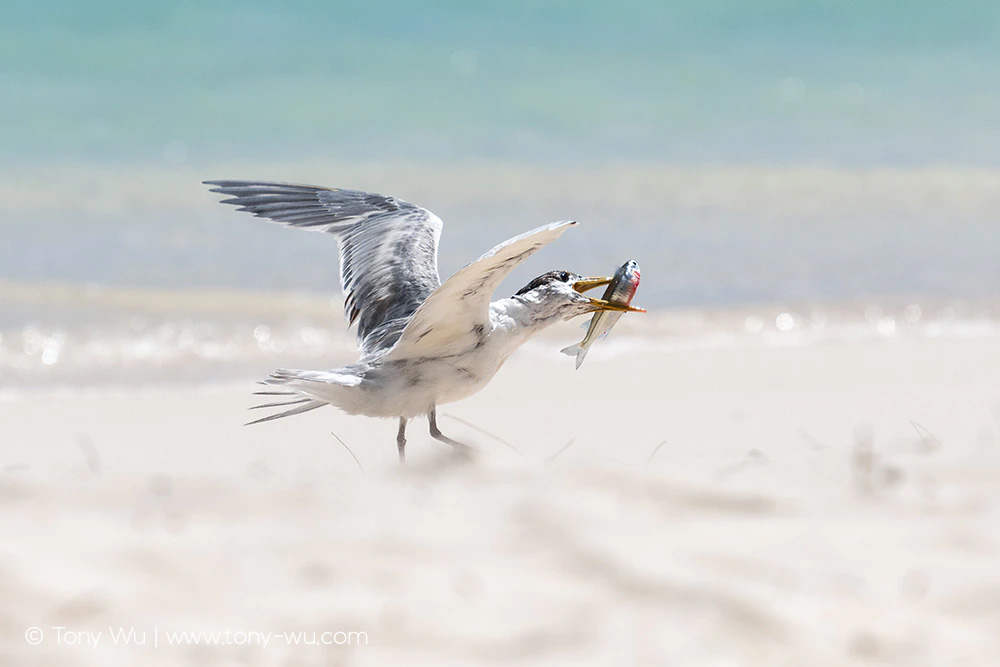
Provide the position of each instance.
(459, 449)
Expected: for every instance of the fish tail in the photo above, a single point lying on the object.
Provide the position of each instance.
(577, 351)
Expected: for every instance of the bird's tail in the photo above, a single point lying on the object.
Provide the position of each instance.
(301, 404)
(577, 351)
(304, 391)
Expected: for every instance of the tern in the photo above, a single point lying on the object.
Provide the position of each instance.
(422, 342)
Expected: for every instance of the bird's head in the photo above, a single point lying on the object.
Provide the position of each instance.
(562, 294)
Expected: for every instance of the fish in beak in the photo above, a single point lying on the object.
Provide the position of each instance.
(609, 309)
(586, 284)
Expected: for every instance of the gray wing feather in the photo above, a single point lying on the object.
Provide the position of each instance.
(388, 247)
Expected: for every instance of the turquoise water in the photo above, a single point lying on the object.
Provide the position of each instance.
(717, 81)
(743, 152)
(837, 160)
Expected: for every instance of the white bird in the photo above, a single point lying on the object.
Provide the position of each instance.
(423, 342)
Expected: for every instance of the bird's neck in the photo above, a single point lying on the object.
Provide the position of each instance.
(515, 320)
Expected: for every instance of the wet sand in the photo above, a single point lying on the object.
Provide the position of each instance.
(823, 505)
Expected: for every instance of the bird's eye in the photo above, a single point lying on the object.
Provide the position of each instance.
(564, 276)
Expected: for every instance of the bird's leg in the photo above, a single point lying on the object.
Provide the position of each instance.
(401, 440)
(438, 435)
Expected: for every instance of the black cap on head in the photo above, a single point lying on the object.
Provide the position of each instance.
(551, 276)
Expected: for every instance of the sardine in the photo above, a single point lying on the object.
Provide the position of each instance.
(620, 291)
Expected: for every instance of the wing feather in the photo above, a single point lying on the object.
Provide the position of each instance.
(388, 247)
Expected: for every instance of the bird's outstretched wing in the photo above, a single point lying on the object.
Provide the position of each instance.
(388, 247)
(457, 312)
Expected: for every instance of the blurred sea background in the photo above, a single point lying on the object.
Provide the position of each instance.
(784, 172)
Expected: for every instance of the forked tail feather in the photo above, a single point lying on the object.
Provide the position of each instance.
(305, 390)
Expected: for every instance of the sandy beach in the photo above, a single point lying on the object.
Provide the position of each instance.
(823, 505)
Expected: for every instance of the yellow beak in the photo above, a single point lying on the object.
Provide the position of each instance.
(582, 286)
(601, 304)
